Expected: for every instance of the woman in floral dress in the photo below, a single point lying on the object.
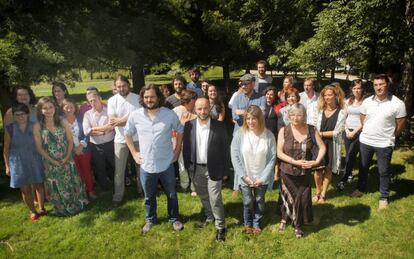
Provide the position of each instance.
(54, 142)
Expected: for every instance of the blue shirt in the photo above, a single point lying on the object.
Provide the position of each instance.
(195, 87)
(154, 136)
(242, 102)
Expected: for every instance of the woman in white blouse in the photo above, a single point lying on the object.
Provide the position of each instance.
(253, 153)
(353, 127)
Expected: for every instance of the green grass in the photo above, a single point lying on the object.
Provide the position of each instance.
(344, 227)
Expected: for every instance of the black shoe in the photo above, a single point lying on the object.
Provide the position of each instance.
(221, 235)
(340, 186)
(116, 204)
(204, 224)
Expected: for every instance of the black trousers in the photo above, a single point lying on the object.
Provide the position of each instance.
(103, 162)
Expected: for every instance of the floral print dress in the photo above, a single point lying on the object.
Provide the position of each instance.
(66, 190)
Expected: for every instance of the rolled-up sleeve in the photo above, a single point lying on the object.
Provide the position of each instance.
(130, 129)
(86, 124)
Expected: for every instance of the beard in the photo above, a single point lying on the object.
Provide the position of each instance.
(203, 117)
(151, 106)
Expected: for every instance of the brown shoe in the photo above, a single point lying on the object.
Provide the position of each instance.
(356, 194)
(256, 231)
(248, 230)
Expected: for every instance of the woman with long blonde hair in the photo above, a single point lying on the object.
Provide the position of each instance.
(331, 121)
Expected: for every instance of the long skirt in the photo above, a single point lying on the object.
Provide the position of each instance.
(296, 199)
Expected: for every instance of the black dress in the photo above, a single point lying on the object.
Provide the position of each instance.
(271, 119)
(328, 124)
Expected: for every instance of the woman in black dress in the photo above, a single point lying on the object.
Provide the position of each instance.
(331, 121)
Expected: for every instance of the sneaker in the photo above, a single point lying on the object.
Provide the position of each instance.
(357, 194)
(178, 226)
(194, 194)
(116, 204)
(34, 216)
(350, 178)
(383, 204)
(282, 227)
(340, 186)
(147, 227)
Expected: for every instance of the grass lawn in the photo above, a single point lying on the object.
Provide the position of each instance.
(344, 227)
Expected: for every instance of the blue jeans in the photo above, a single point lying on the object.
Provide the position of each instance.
(383, 162)
(149, 185)
(253, 205)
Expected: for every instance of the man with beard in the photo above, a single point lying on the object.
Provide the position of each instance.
(154, 125)
(195, 84)
(120, 107)
(262, 80)
(173, 100)
(207, 158)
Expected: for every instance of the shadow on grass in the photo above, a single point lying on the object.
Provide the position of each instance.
(373, 182)
(8, 195)
(327, 215)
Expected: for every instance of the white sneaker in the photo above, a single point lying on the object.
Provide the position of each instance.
(177, 225)
(147, 227)
(383, 204)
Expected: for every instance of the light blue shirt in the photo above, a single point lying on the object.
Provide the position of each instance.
(154, 136)
(242, 102)
(195, 87)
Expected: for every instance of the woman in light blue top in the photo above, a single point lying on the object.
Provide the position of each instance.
(253, 153)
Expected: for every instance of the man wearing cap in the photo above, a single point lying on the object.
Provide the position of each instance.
(262, 80)
(248, 97)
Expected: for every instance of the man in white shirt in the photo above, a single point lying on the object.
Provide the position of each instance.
(383, 117)
(262, 80)
(207, 158)
(101, 137)
(119, 108)
(309, 98)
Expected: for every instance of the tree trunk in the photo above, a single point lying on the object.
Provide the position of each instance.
(91, 76)
(319, 76)
(226, 77)
(332, 73)
(138, 77)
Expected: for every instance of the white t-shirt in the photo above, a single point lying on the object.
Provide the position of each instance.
(120, 107)
(254, 150)
(379, 125)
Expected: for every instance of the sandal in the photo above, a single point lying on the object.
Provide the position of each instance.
(43, 212)
(282, 226)
(316, 198)
(298, 233)
(321, 200)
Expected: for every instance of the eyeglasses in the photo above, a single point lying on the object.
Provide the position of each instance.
(245, 83)
(19, 114)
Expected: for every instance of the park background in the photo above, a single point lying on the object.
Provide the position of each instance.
(85, 43)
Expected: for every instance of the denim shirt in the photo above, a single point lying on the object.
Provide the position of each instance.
(154, 136)
(242, 102)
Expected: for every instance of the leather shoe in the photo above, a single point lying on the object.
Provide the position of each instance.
(221, 235)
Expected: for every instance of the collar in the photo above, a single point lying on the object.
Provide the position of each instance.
(389, 98)
(202, 126)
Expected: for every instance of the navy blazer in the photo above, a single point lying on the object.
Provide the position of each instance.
(218, 149)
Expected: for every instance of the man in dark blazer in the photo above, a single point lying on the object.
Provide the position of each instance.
(207, 158)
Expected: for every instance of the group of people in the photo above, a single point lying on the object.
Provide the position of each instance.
(57, 149)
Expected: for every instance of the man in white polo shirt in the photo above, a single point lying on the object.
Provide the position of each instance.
(119, 108)
(383, 117)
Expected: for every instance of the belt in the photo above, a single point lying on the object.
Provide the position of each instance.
(201, 164)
